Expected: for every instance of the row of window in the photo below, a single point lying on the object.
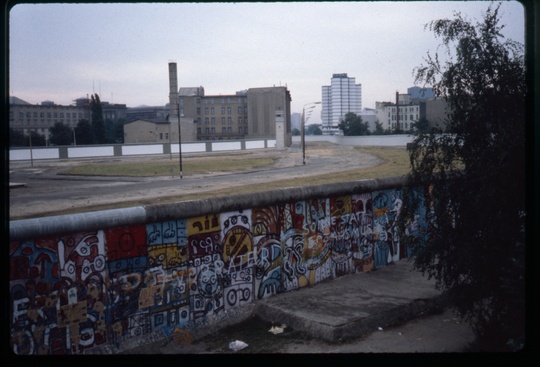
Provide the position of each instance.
(404, 117)
(49, 115)
(224, 100)
(228, 120)
(224, 110)
(404, 125)
(404, 109)
(224, 130)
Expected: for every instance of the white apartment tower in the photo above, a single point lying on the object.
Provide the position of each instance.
(343, 95)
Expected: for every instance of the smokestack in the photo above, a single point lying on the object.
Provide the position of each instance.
(173, 93)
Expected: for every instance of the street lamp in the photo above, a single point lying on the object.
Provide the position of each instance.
(312, 106)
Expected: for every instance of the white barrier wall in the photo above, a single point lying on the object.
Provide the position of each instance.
(98, 151)
(189, 148)
(368, 140)
(142, 149)
(41, 153)
(233, 145)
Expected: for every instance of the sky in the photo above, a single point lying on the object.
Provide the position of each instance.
(61, 52)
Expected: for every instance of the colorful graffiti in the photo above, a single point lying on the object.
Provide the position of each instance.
(79, 291)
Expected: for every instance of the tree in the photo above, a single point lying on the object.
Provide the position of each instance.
(378, 128)
(422, 125)
(119, 131)
(352, 125)
(38, 140)
(16, 138)
(473, 180)
(296, 132)
(314, 130)
(97, 120)
(60, 134)
(84, 132)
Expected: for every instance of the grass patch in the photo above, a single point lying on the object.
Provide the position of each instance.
(163, 168)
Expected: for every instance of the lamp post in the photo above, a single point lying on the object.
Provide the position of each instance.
(312, 106)
(179, 138)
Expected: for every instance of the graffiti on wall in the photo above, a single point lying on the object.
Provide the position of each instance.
(79, 291)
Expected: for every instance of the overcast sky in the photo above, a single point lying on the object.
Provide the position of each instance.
(61, 52)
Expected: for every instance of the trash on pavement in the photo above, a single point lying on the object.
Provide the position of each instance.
(237, 345)
(380, 328)
(277, 329)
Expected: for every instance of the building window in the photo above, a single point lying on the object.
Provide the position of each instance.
(207, 130)
(223, 130)
(222, 110)
(213, 130)
(240, 129)
(229, 130)
(211, 110)
(198, 110)
(206, 110)
(206, 121)
(229, 121)
(223, 120)
(160, 136)
(240, 120)
(212, 120)
(228, 110)
(166, 136)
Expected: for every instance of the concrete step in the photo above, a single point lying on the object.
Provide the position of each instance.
(354, 305)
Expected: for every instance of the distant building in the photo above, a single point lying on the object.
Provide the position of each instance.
(247, 114)
(412, 107)
(262, 104)
(296, 121)
(114, 112)
(343, 95)
(417, 93)
(147, 131)
(147, 113)
(40, 118)
(369, 116)
(154, 131)
(399, 115)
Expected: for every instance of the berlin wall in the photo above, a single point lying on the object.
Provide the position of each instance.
(103, 282)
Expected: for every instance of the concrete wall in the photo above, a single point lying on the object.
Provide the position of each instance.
(91, 151)
(103, 282)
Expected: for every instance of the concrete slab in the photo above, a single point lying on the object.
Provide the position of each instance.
(354, 305)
